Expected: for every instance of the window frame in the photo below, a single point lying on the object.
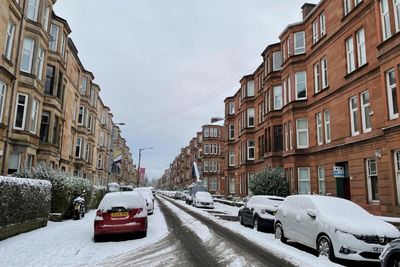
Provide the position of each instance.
(34, 115)
(299, 131)
(3, 94)
(354, 127)
(369, 182)
(278, 97)
(35, 8)
(251, 147)
(250, 116)
(31, 51)
(321, 180)
(327, 126)
(53, 40)
(318, 124)
(299, 50)
(297, 85)
(350, 55)
(25, 105)
(361, 47)
(364, 114)
(392, 101)
(80, 147)
(385, 18)
(9, 42)
(308, 180)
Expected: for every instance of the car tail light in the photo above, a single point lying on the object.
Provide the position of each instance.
(135, 213)
(99, 215)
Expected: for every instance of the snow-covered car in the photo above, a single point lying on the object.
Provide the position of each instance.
(193, 189)
(335, 227)
(120, 212)
(259, 212)
(185, 195)
(390, 256)
(148, 196)
(203, 199)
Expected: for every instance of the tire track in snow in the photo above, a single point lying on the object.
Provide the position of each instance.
(251, 253)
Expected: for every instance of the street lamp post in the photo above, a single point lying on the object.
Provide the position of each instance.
(112, 149)
(138, 171)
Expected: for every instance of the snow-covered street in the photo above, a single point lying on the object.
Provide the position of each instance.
(178, 235)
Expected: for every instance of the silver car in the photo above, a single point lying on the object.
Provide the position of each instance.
(390, 256)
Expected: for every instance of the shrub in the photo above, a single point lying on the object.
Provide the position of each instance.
(97, 195)
(270, 181)
(64, 187)
(23, 200)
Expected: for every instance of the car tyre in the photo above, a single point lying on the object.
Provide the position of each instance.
(324, 247)
(143, 234)
(256, 224)
(279, 234)
(96, 238)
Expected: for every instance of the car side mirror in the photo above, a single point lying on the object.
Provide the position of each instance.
(311, 213)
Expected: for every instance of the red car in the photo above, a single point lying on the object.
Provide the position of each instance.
(121, 212)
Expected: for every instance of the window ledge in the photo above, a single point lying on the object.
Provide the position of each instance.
(320, 91)
(357, 70)
(7, 60)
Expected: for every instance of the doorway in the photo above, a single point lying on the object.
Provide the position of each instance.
(343, 180)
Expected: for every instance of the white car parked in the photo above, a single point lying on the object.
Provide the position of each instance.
(203, 199)
(148, 196)
(335, 227)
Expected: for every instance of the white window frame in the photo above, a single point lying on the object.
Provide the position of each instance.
(8, 46)
(231, 108)
(365, 113)
(33, 6)
(40, 63)
(351, 63)
(304, 180)
(318, 123)
(321, 180)
(297, 85)
(54, 37)
(277, 97)
(354, 116)
(298, 50)
(250, 115)
(361, 49)
(46, 16)
(317, 76)
(276, 61)
(82, 110)
(315, 31)
(346, 6)
(250, 88)
(324, 73)
(385, 18)
(327, 126)
(3, 92)
(290, 135)
(231, 131)
(231, 158)
(396, 9)
(34, 116)
(396, 158)
(322, 24)
(391, 100)
(302, 131)
(28, 49)
(370, 174)
(24, 112)
(289, 88)
(251, 147)
(78, 144)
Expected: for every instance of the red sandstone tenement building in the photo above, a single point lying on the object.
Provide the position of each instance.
(324, 106)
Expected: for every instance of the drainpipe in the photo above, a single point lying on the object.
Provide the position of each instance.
(13, 95)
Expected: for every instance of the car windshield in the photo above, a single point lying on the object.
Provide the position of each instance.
(203, 195)
(265, 200)
(338, 207)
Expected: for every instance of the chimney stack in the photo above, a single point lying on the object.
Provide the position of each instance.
(306, 9)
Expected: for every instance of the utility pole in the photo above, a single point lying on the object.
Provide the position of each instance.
(138, 171)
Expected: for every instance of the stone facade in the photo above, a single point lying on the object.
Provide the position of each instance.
(51, 110)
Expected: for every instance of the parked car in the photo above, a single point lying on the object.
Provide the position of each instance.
(148, 196)
(335, 227)
(193, 189)
(185, 195)
(120, 212)
(390, 256)
(203, 199)
(259, 212)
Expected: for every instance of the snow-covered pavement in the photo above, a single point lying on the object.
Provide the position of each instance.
(70, 243)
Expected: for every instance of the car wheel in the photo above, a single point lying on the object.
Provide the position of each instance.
(324, 247)
(241, 219)
(394, 260)
(256, 224)
(279, 234)
(143, 234)
(97, 238)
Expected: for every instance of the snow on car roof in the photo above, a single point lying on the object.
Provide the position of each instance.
(126, 199)
(203, 193)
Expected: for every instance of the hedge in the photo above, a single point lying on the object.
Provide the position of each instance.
(65, 188)
(24, 205)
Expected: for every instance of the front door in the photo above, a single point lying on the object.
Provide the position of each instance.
(343, 183)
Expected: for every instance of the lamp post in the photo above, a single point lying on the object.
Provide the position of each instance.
(112, 149)
(140, 156)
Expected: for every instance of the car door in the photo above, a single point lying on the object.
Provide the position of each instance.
(247, 212)
(308, 227)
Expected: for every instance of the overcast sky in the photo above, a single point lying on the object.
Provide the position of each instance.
(160, 63)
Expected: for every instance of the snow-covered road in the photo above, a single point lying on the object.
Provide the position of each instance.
(70, 243)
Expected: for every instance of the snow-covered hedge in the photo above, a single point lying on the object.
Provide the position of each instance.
(97, 195)
(24, 205)
(65, 187)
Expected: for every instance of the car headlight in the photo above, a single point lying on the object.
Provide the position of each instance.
(342, 232)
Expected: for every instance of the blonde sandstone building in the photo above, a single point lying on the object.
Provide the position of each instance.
(50, 108)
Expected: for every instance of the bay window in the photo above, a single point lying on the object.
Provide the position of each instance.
(20, 111)
(304, 180)
(27, 55)
(251, 150)
(351, 66)
(392, 94)
(299, 43)
(277, 97)
(318, 122)
(8, 47)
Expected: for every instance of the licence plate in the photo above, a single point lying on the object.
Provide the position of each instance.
(119, 214)
(377, 249)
